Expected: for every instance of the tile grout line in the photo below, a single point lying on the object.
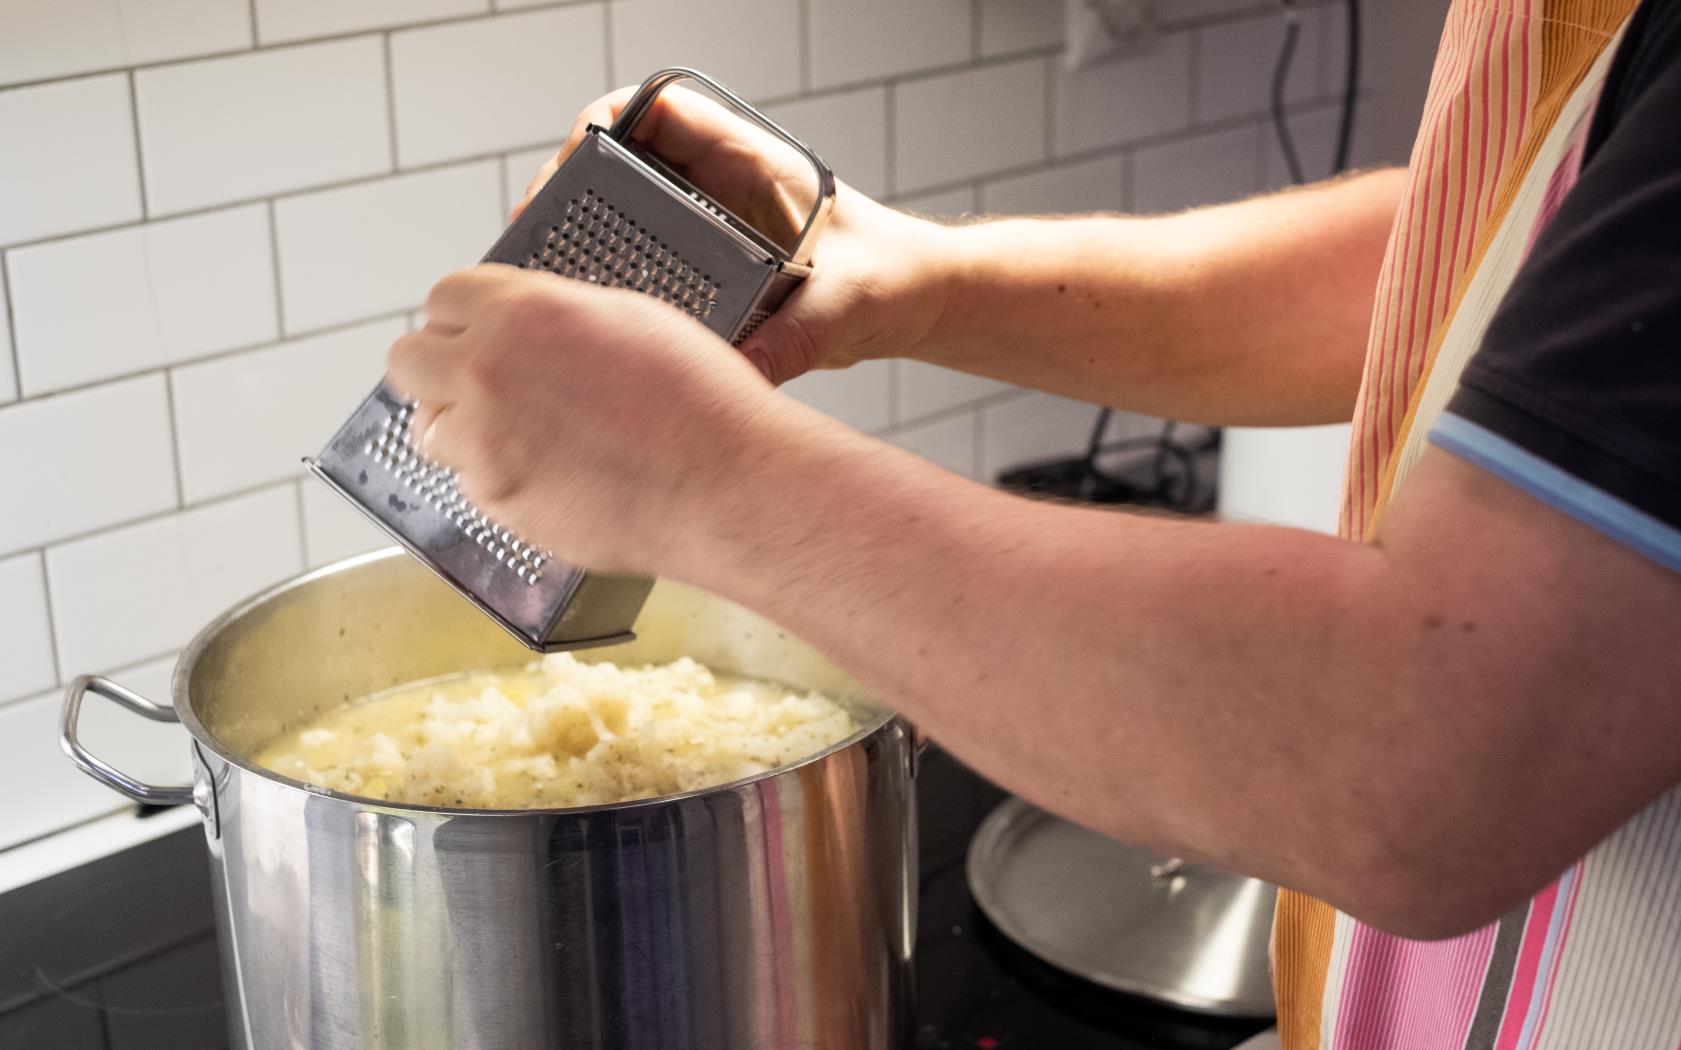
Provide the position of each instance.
(390, 98)
(1066, 160)
(1193, 76)
(266, 485)
(1165, 28)
(218, 355)
(804, 25)
(502, 193)
(11, 329)
(469, 159)
(609, 66)
(174, 437)
(292, 42)
(52, 622)
(1051, 94)
(274, 264)
(139, 151)
(114, 669)
(285, 335)
(890, 128)
(303, 523)
(428, 168)
(947, 414)
(252, 5)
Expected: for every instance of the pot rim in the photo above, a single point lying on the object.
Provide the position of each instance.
(184, 713)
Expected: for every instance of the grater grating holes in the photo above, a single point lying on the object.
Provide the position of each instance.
(754, 320)
(439, 488)
(595, 241)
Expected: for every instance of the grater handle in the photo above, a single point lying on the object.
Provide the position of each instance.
(643, 100)
(96, 767)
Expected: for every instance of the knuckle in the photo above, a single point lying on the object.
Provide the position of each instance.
(438, 291)
(487, 371)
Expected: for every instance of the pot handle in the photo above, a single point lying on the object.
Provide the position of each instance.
(919, 742)
(96, 767)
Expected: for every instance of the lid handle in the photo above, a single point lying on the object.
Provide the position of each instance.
(643, 100)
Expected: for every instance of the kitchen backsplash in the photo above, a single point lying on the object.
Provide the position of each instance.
(216, 214)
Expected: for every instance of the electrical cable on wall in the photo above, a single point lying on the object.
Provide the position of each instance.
(1170, 479)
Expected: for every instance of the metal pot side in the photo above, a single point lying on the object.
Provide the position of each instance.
(774, 912)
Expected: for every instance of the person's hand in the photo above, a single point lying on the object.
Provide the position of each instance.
(601, 423)
(880, 277)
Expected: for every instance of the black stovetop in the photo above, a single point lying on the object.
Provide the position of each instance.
(979, 991)
(120, 955)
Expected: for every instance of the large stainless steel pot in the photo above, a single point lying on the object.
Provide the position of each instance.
(776, 912)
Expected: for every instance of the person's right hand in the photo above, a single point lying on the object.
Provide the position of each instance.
(880, 278)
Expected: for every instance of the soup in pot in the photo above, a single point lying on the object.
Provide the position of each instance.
(559, 732)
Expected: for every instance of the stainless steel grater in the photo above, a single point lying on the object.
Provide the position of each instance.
(614, 214)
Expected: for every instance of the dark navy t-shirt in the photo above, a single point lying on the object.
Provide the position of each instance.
(1575, 392)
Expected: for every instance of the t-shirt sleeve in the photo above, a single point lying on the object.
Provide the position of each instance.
(1575, 393)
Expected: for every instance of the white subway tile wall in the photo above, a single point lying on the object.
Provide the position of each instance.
(520, 168)
(958, 126)
(376, 247)
(333, 529)
(54, 38)
(28, 666)
(82, 461)
(490, 84)
(860, 396)
(1140, 97)
(954, 203)
(202, 280)
(859, 40)
(142, 590)
(953, 443)
(154, 281)
(925, 390)
(227, 129)
(1199, 170)
(1084, 186)
(755, 44)
(8, 363)
(1007, 26)
(242, 420)
(849, 130)
(280, 21)
(56, 183)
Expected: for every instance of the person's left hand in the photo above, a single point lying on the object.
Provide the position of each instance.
(598, 422)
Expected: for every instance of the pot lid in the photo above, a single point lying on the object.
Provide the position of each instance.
(1124, 917)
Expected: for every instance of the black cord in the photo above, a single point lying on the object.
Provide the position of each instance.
(1280, 73)
(1350, 87)
(1169, 452)
(1350, 90)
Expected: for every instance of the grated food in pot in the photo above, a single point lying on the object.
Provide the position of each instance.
(560, 732)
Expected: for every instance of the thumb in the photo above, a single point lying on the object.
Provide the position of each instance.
(782, 347)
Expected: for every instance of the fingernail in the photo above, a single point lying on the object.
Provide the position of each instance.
(760, 361)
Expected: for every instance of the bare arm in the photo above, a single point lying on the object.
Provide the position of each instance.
(1420, 731)
(1251, 313)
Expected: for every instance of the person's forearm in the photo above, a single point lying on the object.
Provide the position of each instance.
(1248, 313)
(1275, 701)
(1124, 672)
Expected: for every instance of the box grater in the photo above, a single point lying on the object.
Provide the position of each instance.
(613, 214)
